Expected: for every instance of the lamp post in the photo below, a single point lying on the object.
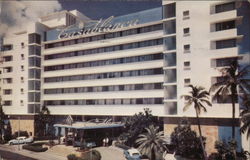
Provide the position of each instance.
(18, 132)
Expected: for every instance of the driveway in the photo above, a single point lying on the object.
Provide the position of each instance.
(111, 153)
(60, 152)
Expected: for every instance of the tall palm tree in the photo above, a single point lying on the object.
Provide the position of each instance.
(232, 78)
(152, 143)
(245, 116)
(43, 118)
(199, 98)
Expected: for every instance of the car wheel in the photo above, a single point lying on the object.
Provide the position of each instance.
(11, 143)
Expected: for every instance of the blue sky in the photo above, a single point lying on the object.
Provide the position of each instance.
(103, 9)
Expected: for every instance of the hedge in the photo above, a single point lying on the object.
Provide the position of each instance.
(35, 147)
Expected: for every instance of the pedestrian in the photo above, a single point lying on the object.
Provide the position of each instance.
(106, 141)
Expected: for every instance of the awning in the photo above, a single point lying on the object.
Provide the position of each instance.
(89, 125)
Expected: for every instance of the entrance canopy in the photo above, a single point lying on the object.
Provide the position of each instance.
(92, 124)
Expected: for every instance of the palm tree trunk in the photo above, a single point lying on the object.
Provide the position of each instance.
(201, 141)
(233, 95)
(233, 92)
(152, 155)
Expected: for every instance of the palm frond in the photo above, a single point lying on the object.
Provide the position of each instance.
(187, 105)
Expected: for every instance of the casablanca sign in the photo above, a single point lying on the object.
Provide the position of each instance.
(98, 27)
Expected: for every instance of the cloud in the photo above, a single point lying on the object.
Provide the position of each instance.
(18, 14)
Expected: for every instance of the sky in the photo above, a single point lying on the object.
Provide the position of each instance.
(104, 8)
(18, 14)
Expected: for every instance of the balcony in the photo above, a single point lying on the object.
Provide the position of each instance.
(224, 34)
(106, 55)
(106, 82)
(222, 16)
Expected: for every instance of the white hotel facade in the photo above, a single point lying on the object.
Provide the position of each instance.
(120, 65)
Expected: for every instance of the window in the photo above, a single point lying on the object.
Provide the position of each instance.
(224, 25)
(7, 103)
(222, 62)
(169, 27)
(34, 38)
(186, 48)
(7, 80)
(7, 69)
(7, 91)
(226, 43)
(22, 79)
(21, 90)
(225, 7)
(21, 102)
(22, 45)
(34, 50)
(7, 58)
(187, 82)
(34, 62)
(187, 65)
(22, 68)
(186, 31)
(185, 15)
(170, 43)
(169, 10)
(7, 47)
(22, 56)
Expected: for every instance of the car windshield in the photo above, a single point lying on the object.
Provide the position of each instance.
(135, 154)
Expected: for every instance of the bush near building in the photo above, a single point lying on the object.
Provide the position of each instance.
(186, 142)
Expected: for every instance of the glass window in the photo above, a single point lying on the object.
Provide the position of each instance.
(34, 85)
(34, 38)
(7, 91)
(225, 25)
(187, 82)
(169, 27)
(226, 43)
(225, 7)
(170, 43)
(34, 50)
(186, 31)
(7, 103)
(185, 13)
(186, 48)
(169, 10)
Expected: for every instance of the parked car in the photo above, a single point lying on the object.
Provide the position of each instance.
(132, 154)
(21, 140)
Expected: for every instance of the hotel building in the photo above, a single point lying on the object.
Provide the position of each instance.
(117, 66)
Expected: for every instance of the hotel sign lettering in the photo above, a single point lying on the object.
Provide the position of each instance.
(99, 27)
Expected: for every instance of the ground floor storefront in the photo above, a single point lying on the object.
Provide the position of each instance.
(212, 128)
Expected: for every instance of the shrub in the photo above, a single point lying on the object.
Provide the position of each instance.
(93, 154)
(35, 147)
(214, 156)
(72, 157)
(186, 142)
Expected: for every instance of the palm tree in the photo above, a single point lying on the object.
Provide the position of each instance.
(152, 142)
(43, 118)
(231, 78)
(198, 98)
(245, 116)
